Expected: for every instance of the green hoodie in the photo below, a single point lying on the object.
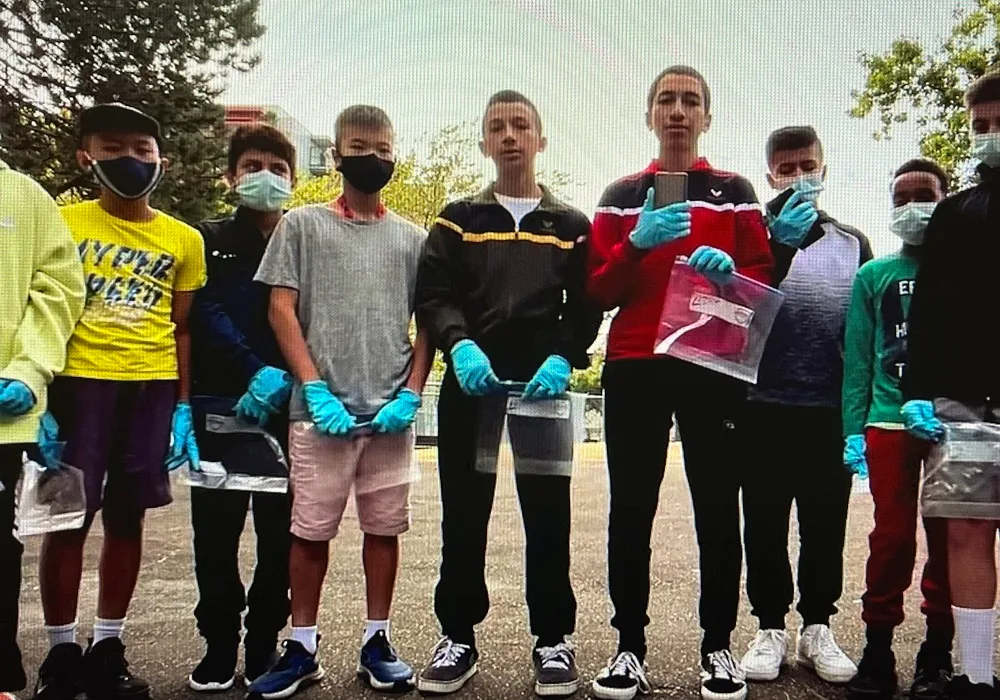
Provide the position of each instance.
(41, 294)
(875, 342)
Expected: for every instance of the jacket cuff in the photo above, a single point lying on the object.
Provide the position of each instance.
(25, 372)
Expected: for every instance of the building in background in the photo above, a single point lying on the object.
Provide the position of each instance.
(310, 148)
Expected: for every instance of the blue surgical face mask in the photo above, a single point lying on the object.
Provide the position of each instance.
(264, 191)
(986, 149)
(909, 221)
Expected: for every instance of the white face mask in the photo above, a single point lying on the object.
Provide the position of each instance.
(909, 221)
(986, 149)
(808, 184)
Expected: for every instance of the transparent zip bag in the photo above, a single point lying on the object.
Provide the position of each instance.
(50, 500)
(720, 326)
(237, 455)
(537, 436)
(962, 471)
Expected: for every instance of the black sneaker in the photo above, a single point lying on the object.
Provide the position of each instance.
(452, 665)
(960, 688)
(876, 677)
(932, 675)
(217, 671)
(722, 677)
(622, 678)
(106, 675)
(555, 671)
(60, 677)
(258, 660)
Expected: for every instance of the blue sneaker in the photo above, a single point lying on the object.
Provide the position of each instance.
(380, 666)
(295, 668)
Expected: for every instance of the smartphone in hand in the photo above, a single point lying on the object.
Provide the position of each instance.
(669, 188)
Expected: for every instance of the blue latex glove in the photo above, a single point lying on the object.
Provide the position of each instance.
(551, 379)
(854, 455)
(251, 410)
(16, 398)
(183, 446)
(48, 442)
(715, 264)
(399, 414)
(473, 369)
(920, 421)
(327, 411)
(656, 227)
(793, 223)
(271, 387)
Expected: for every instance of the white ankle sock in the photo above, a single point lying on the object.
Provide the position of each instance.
(372, 627)
(61, 634)
(106, 629)
(974, 632)
(307, 637)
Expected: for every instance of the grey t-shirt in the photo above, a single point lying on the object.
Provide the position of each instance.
(356, 282)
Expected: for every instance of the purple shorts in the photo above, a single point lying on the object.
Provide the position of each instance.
(118, 430)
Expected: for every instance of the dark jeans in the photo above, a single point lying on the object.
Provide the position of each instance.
(218, 518)
(640, 400)
(461, 599)
(11, 671)
(799, 458)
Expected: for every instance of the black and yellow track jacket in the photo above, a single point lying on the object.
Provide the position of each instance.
(516, 290)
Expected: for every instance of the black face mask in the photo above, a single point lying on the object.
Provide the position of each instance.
(128, 177)
(366, 174)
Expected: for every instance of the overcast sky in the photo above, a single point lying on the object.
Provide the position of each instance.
(588, 63)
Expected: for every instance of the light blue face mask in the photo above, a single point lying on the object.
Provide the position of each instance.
(909, 221)
(264, 191)
(808, 185)
(986, 149)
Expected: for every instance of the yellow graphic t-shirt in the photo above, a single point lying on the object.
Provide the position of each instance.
(131, 270)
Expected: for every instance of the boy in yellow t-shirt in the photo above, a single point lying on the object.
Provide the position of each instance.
(122, 401)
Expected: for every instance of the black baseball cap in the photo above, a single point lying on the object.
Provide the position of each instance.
(115, 116)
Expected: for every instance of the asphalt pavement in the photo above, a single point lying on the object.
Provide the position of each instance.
(163, 644)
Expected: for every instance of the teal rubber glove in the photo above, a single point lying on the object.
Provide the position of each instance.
(920, 421)
(715, 264)
(183, 446)
(796, 218)
(271, 387)
(16, 398)
(473, 369)
(551, 379)
(656, 227)
(251, 410)
(854, 455)
(48, 442)
(399, 414)
(327, 411)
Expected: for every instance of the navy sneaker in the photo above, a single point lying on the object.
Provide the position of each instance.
(296, 667)
(381, 668)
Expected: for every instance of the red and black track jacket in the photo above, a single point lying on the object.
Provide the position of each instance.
(518, 291)
(725, 214)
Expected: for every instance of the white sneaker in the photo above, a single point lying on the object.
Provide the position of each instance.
(766, 656)
(818, 650)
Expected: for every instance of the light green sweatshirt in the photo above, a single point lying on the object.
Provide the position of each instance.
(42, 294)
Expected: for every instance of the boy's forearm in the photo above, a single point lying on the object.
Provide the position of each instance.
(183, 340)
(423, 360)
(292, 342)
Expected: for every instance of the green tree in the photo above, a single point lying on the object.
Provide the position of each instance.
(927, 83)
(170, 58)
(588, 381)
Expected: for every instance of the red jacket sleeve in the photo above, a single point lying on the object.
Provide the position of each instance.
(753, 250)
(613, 262)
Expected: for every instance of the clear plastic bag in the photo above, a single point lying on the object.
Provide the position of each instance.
(50, 501)
(722, 327)
(962, 472)
(539, 435)
(235, 455)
